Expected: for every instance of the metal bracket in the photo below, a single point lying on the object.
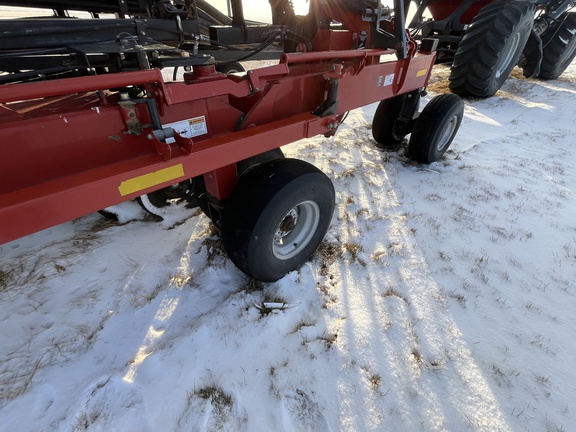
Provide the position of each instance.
(124, 12)
(408, 114)
(330, 105)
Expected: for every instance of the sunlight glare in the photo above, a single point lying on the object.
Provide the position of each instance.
(165, 311)
(300, 6)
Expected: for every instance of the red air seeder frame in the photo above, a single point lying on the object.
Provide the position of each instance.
(73, 146)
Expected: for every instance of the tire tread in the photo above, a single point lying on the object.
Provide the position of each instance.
(474, 67)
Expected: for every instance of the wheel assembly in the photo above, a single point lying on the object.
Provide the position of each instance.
(559, 47)
(383, 123)
(276, 217)
(491, 48)
(212, 209)
(435, 128)
(170, 199)
(247, 164)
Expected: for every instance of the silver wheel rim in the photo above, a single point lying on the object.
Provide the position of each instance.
(508, 55)
(295, 230)
(447, 133)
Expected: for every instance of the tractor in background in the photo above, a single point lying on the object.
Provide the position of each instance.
(484, 40)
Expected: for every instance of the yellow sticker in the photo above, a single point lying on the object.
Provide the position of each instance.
(145, 181)
(421, 72)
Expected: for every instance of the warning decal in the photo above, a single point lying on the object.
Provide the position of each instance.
(189, 128)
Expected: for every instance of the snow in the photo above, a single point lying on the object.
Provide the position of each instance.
(442, 298)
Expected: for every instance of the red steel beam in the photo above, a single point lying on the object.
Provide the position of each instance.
(37, 90)
(72, 195)
(36, 208)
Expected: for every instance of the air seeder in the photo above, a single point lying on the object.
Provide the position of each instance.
(87, 120)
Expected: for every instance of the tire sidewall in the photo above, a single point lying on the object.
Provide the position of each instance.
(259, 202)
(261, 261)
(242, 168)
(245, 165)
(555, 61)
(488, 42)
(433, 153)
(387, 112)
(430, 126)
(523, 28)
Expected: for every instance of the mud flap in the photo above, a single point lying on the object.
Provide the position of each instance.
(531, 56)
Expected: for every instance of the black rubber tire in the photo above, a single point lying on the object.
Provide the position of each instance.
(161, 202)
(286, 199)
(435, 128)
(242, 167)
(245, 165)
(228, 68)
(558, 54)
(383, 123)
(491, 48)
(109, 215)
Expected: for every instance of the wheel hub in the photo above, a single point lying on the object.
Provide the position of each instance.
(447, 133)
(287, 225)
(295, 230)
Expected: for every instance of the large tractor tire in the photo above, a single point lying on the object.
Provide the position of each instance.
(559, 47)
(491, 48)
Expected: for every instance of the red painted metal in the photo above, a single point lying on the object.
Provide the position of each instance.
(341, 12)
(441, 9)
(328, 40)
(74, 146)
(18, 92)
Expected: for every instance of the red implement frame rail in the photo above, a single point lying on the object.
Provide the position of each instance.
(74, 146)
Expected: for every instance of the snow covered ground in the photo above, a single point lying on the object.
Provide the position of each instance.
(442, 298)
